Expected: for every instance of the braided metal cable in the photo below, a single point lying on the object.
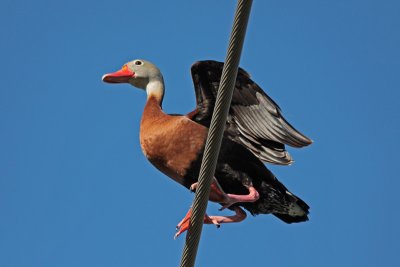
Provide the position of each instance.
(215, 134)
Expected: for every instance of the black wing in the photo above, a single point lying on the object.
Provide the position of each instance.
(254, 119)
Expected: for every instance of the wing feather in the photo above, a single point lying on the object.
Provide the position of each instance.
(254, 119)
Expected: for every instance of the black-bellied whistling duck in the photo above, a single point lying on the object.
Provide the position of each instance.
(256, 132)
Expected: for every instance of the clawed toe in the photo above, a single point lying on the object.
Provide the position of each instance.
(184, 225)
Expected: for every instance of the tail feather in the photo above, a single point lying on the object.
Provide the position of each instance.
(298, 212)
(291, 219)
(276, 199)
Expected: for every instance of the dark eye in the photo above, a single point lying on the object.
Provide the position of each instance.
(138, 62)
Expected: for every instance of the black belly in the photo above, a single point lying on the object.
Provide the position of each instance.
(236, 168)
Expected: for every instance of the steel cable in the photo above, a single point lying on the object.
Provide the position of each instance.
(215, 134)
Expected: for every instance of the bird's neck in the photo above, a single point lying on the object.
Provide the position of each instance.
(155, 89)
(153, 111)
(152, 119)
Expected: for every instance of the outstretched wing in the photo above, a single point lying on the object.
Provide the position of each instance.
(254, 119)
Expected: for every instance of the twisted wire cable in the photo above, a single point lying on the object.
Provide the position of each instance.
(215, 134)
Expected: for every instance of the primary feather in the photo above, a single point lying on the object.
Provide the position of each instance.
(254, 119)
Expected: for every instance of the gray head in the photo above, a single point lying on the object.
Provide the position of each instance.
(141, 74)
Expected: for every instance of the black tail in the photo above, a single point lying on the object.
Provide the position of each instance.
(275, 198)
(288, 218)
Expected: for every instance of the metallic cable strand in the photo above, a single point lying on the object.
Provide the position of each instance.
(214, 139)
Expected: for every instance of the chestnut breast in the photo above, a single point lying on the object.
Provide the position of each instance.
(171, 143)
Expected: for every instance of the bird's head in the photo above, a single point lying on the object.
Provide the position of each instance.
(141, 74)
(138, 73)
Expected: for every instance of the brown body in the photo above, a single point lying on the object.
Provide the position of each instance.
(171, 143)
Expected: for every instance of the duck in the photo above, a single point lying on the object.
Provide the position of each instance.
(255, 133)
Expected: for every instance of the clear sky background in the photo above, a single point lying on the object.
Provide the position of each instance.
(75, 189)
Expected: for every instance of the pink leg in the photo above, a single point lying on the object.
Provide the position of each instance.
(216, 220)
(217, 194)
(253, 196)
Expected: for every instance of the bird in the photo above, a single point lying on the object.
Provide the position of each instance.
(255, 133)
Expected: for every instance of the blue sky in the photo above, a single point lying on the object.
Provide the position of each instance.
(75, 189)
